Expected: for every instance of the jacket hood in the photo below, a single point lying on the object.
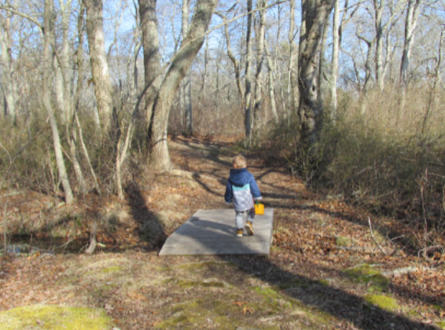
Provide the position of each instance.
(239, 176)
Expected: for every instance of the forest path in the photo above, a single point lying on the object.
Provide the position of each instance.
(324, 271)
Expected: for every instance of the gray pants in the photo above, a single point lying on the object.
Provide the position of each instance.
(239, 217)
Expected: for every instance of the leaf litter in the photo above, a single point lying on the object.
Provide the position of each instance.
(324, 270)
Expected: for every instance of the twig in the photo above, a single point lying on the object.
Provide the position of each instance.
(4, 227)
(428, 249)
(375, 241)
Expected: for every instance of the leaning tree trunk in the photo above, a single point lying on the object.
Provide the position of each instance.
(187, 81)
(181, 63)
(47, 69)
(98, 60)
(315, 13)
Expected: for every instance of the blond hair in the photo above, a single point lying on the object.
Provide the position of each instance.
(239, 161)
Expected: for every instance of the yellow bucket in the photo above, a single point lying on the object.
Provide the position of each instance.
(259, 208)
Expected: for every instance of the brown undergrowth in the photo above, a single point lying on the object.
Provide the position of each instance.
(325, 271)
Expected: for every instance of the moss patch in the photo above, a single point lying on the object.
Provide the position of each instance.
(111, 269)
(366, 274)
(344, 241)
(383, 302)
(191, 283)
(207, 311)
(441, 324)
(39, 317)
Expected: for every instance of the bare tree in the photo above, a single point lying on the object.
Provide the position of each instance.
(180, 64)
(47, 69)
(261, 4)
(7, 63)
(187, 81)
(412, 15)
(248, 75)
(152, 56)
(315, 13)
(98, 60)
(293, 63)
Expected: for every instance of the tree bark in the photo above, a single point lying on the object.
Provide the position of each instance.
(293, 64)
(181, 63)
(48, 35)
(98, 60)
(187, 81)
(412, 14)
(315, 13)
(259, 71)
(335, 56)
(6, 59)
(248, 76)
(152, 57)
(273, 105)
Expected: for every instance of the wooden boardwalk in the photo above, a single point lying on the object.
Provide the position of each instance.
(212, 232)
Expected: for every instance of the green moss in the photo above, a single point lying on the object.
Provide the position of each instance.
(344, 241)
(366, 274)
(190, 283)
(192, 315)
(383, 302)
(111, 269)
(441, 324)
(40, 317)
(207, 265)
(438, 307)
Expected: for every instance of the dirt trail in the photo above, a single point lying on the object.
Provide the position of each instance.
(316, 278)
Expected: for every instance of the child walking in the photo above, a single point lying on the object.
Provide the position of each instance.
(242, 189)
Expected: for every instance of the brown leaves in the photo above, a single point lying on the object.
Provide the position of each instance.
(246, 310)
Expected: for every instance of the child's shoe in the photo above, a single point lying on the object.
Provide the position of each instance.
(239, 233)
(249, 228)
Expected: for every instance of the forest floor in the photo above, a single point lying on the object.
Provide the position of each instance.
(325, 270)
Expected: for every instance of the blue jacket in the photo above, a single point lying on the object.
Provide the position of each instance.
(241, 189)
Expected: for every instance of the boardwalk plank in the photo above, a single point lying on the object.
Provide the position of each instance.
(212, 232)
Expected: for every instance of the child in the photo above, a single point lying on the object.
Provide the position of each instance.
(242, 189)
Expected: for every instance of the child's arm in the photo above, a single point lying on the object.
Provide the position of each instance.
(228, 194)
(254, 189)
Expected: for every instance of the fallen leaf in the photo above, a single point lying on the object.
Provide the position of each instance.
(246, 310)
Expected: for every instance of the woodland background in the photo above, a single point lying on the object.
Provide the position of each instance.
(346, 94)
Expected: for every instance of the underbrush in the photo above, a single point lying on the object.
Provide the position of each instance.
(392, 165)
(27, 159)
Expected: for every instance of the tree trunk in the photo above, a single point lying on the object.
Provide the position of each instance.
(98, 60)
(248, 76)
(235, 62)
(47, 69)
(273, 106)
(412, 14)
(160, 158)
(260, 59)
(152, 57)
(322, 81)
(293, 64)
(315, 13)
(7, 64)
(187, 79)
(335, 56)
